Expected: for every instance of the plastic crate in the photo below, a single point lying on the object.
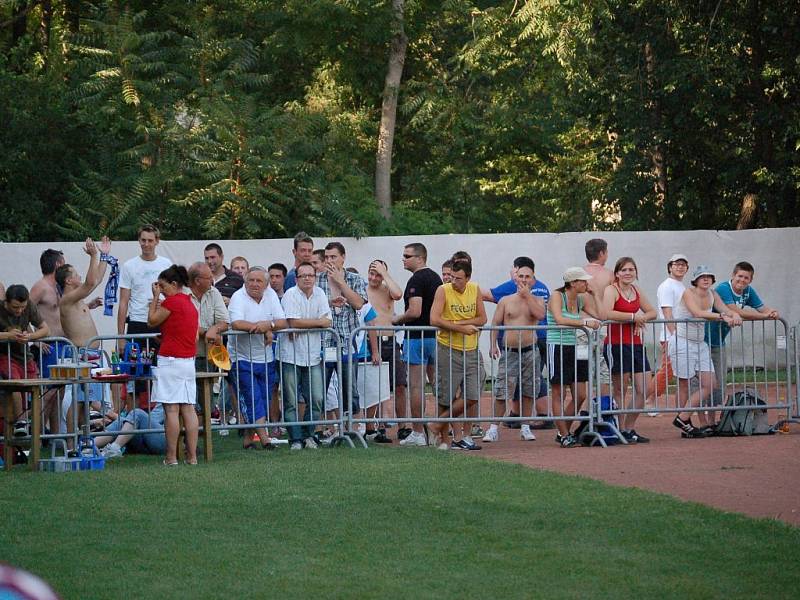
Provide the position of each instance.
(59, 464)
(91, 459)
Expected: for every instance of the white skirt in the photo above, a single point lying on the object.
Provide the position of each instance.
(174, 381)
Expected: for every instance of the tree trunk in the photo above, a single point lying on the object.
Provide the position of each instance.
(72, 15)
(391, 90)
(749, 212)
(44, 28)
(19, 22)
(657, 154)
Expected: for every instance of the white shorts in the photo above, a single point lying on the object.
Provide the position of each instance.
(174, 381)
(332, 393)
(373, 384)
(689, 357)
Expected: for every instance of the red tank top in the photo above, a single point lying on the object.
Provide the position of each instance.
(623, 333)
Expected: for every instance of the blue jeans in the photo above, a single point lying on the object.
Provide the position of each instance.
(309, 380)
(344, 382)
(143, 443)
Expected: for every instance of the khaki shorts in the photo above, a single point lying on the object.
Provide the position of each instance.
(518, 369)
(457, 369)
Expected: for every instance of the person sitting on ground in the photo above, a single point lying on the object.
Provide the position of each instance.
(624, 352)
(689, 353)
(127, 428)
(567, 369)
(177, 319)
(519, 368)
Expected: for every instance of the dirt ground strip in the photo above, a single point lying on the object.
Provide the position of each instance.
(758, 476)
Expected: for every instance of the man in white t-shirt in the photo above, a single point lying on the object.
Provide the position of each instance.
(256, 310)
(306, 307)
(136, 280)
(668, 297)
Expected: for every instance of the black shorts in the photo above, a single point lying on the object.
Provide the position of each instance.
(393, 354)
(626, 358)
(563, 368)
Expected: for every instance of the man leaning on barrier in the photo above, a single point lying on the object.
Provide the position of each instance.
(419, 347)
(519, 367)
(306, 307)
(254, 309)
(459, 314)
(212, 315)
(740, 298)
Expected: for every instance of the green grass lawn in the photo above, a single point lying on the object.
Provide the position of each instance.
(379, 523)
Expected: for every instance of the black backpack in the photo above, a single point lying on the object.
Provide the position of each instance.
(744, 421)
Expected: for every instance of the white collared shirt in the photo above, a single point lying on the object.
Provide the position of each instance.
(303, 349)
(243, 308)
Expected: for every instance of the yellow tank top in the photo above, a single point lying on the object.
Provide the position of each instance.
(459, 307)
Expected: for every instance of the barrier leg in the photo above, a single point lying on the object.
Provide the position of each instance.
(8, 431)
(36, 427)
(207, 438)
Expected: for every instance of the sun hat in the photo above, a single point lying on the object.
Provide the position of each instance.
(576, 274)
(701, 270)
(220, 357)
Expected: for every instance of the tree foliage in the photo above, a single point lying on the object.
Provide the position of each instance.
(245, 119)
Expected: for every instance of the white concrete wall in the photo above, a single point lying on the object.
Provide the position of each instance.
(773, 252)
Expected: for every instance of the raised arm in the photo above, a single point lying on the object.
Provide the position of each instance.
(156, 314)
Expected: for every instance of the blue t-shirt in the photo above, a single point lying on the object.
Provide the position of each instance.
(290, 280)
(717, 331)
(365, 315)
(539, 289)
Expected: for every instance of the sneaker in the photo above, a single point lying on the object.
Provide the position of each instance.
(568, 441)
(382, 438)
(21, 428)
(414, 438)
(443, 446)
(464, 444)
(370, 434)
(688, 430)
(634, 438)
(526, 434)
(310, 443)
(403, 433)
(512, 424)
(492, 435)
(232, 420)
(111, 451)
(476, 431)
(361, 428)
(296, 446)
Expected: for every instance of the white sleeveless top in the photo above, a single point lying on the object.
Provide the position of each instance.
(692, 332)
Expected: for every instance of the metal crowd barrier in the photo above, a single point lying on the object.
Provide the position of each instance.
(753, 357)
(456, 374)
(43, 406)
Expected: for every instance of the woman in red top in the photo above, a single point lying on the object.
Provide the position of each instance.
(624, 302)
(175, 375)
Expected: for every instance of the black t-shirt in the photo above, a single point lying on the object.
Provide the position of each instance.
(423, 283)
(229, 284)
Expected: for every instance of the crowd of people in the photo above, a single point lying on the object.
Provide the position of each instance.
(288, 330)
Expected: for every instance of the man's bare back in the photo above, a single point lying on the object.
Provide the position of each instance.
(601, 278)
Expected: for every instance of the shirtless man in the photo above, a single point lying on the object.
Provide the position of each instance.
(45, 296)
(382, 293)
(76, 319)
(596, 251)
(519, 357)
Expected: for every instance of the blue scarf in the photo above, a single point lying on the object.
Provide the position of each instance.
(111, 286)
